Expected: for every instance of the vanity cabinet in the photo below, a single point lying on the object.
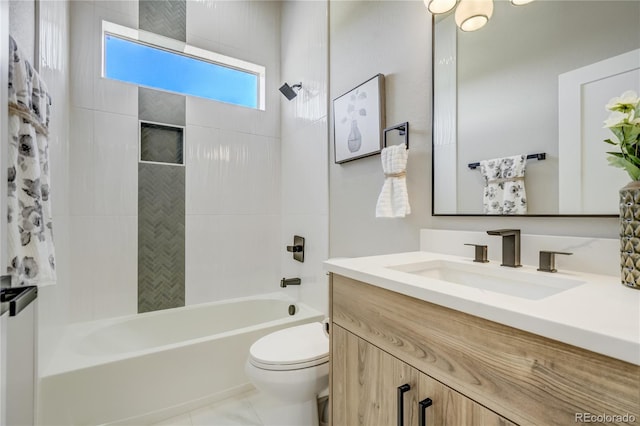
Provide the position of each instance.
(476, 372)
(372, 388)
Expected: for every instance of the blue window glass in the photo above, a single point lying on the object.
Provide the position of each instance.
(149, 66)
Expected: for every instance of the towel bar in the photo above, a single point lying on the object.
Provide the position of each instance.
(540, 156)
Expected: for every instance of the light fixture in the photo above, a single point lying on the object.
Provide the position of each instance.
(470, 15)
(440, 6)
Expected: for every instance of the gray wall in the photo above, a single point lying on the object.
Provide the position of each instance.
(394, 38)
(391, 38)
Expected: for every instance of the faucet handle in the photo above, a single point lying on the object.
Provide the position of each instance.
(481, 252)
(504, 232)
(548, 260)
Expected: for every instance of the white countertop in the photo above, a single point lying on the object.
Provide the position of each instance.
(600, 315)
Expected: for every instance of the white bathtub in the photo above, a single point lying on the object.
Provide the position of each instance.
(160, 363)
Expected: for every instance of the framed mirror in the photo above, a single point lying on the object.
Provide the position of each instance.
(534, 80)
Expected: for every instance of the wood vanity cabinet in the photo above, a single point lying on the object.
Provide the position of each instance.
(368, 390)
(476, 372)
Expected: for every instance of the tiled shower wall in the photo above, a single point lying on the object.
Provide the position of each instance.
(305, 148)
(161, 201)
(232, 165)
(161, 182)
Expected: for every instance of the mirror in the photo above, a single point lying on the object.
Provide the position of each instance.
(534, 80)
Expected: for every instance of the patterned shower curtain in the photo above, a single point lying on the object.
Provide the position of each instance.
(30, 230)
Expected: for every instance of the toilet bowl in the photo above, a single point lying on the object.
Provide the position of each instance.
(292, 367)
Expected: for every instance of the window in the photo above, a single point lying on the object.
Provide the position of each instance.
(150, 60)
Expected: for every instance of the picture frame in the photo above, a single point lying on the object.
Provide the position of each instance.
(358, 120)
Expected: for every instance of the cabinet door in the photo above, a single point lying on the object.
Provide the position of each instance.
(364, 390)
(452, 408)
(365, 381)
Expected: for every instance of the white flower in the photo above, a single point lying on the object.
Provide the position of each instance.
(615, 119)
(628, 99)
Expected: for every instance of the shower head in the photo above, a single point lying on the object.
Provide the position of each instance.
(288, 90)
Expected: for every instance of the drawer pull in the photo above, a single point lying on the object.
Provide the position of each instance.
(422, 417)
(401, 391)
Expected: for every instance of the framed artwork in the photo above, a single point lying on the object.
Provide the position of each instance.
(358, 120)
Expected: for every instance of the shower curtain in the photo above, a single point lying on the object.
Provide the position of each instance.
(30, 230)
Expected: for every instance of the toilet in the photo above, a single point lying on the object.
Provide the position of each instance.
(292, 367)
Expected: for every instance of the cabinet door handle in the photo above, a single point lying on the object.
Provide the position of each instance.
(422, 417)
(401, 391)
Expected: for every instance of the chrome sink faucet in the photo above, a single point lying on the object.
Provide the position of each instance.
(510, 246)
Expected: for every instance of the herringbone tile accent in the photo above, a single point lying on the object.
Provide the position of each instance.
(161, 237)
(161, 107)
(161, 144)
(164, 17)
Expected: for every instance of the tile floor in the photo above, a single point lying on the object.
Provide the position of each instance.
(240, 410)
(246, 409)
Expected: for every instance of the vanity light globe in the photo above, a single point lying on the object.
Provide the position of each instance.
(471, 15)
(440, 6)
(520, 2)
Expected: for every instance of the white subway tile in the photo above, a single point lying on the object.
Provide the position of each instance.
(115, 164)
(81, 164)
(232, 173)
(84, 57)
(82, 251)
(115, 266)
(231, 256)
(304, 170)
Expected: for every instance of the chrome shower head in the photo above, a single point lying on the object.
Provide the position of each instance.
(288, 91)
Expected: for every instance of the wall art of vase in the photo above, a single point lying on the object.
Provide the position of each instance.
(354, 141)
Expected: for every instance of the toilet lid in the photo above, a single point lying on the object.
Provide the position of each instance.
(297, 347)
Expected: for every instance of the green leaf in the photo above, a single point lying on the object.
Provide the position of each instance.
(609, 141)
(633, 159)
(619, 161)
(618, 132)
(632, 133)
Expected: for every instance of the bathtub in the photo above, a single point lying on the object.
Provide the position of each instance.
(146, 367)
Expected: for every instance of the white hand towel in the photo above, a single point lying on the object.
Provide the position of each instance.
(504, 191)
(394, 199)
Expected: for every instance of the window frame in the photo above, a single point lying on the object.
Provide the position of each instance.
(181, 48)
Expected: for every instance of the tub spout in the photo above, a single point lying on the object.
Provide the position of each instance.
(289, 281)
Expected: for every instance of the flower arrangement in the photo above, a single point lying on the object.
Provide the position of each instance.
(624, 122)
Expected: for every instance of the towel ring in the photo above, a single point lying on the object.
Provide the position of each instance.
(403, 130)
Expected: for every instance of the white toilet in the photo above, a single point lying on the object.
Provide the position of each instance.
(292, 366)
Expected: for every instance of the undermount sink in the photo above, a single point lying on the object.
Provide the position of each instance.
(509, 281)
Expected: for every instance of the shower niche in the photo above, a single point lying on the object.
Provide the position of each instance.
(161, 143)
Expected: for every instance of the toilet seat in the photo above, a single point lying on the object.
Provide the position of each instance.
(294, 348)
